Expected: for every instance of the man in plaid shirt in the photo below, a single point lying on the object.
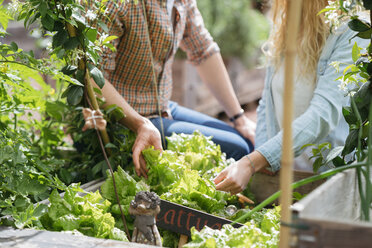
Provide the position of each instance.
(139, 76)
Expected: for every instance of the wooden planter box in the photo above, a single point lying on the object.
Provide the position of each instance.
(329, 216)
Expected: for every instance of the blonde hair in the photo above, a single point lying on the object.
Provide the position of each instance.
(313, 33)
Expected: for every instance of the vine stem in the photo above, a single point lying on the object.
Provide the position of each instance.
(113, 178)
(102, 134)
(114, 183)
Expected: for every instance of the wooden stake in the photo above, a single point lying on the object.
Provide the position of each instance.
(286, 174)
(183, 241)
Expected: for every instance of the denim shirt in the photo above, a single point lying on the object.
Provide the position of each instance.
(323, 120)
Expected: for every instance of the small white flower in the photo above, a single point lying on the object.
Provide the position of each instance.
(91, 15)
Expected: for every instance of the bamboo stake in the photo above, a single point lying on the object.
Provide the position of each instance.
(286, 174)
(88, 85)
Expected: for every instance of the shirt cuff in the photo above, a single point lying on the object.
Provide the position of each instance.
(271, 150)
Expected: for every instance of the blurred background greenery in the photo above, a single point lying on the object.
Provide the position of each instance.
(238, 26)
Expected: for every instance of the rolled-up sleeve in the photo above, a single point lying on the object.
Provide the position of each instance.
(197, 41)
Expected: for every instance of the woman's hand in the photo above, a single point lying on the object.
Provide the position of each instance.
(245, 127)
(147, 135)
(235, 178)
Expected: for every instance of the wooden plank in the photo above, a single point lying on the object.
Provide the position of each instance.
(333, 234)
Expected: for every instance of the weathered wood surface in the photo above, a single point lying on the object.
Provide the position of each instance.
(329, 216)
(263, 185)
(28, 238)
(322, 233)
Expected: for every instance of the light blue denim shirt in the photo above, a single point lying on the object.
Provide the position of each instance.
(323, 118)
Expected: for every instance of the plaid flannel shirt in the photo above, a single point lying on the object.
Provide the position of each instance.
(129, 69)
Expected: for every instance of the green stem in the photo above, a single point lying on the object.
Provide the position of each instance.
(360, 130)
(15, 122)
(297, 184)
(361, 194)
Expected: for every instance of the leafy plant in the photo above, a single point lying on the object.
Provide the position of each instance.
(25, 178)
(85, 214)
(261, 231)
(325, 156)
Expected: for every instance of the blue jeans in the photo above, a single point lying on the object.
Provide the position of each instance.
(187, 121)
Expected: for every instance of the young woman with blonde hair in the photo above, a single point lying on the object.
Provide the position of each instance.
(318, 100)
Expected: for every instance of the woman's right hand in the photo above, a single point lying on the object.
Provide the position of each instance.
(235, 178)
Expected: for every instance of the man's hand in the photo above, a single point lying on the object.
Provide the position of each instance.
(234, 178)
(246, 127)
(147, 135)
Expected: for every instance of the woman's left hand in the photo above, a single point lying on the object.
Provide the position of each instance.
(235, 178)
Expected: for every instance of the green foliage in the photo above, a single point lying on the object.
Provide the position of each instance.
(325, 156)
(238, 29)
(90, 163)
(85, 214)
(77, 39)
(358, 115)
(4, 17)
(175, 177)
(263, 231)
(25, 178)
(127, 189)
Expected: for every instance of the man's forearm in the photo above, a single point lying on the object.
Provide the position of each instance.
(132, 119)
(214, 74)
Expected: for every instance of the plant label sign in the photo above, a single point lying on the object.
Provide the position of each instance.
(180, 219)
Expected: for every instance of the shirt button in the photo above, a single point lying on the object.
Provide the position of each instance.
(164, 4)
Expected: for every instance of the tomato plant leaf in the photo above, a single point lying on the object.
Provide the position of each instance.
(333, 154)
(60, 38)
(71, 43)
(97, 75)
(48, 22)
(358, 26)
(75, 94)
(92, 34)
